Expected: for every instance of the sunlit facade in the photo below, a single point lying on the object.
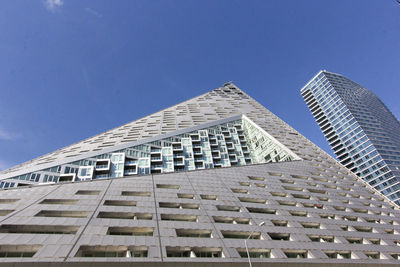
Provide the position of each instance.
(217, 180)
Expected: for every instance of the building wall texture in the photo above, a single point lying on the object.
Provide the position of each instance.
(310, 210)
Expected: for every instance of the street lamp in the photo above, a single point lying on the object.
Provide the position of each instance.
(245, 243)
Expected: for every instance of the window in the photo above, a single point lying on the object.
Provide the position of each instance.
(238, 190)
(254, 253)
(88, 192)
(59, 201)
(112, 251)
(168, 186)
(194, 252)
(178, 217)
(327, 216)
(338, 254)
(360, 210)
(124, 215)
(339, 208)
(8, 200)
(5, 212)
(228, 208)
(208, 197)
(252, 200)
(62, 213)
(193, 233)
(363, 229)
(292, 188)
(135, 193)
(350, 218)
(256, 178)
(286, 181)
(372, 255)
(241, 234)
(354, 240)
(298, 213)
(301, 196)
(287, 203)
(279, 236)
(188, 196)
(178, 252)
(119, 203)
(135, 231)
(318, 191)
(317, 238)
(311, 225)
(278, 194)
(178, 205)
(38, 229)
(297, 254)
(299, 177)
(220, 219)
(18, 251)
(376, 241)
(261, 210)
(280, 223)
(395, 256)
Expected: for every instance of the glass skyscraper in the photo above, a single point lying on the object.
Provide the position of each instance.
(361, 130)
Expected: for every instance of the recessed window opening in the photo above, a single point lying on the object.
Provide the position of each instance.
(168, 186)
(124, 215)
(18, 251)
(88, 192)
(228, 208)
(241, 235)
(196, 233)
(221, 219)
(188, 196)
(261, 210)
(135, 193)
(296, 254)
(8, 200)
(134, 231)
(59, 201)
(112, 251)
(254, 253)
(62, 213)
(37, 229)
(208, 197)
(179, 217)
(120, 203)
(279, 236)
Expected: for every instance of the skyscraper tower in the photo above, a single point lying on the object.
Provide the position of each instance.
(361, 130)
(217, 180)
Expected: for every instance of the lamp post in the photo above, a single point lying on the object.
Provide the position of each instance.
(245, 243)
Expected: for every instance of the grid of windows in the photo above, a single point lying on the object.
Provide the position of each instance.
(363, 133)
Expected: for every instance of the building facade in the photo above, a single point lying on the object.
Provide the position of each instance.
(361, 130)
(212, 180)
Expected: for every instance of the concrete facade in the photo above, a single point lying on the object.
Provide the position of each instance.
(314, 211)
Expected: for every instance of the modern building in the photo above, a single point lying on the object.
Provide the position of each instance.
(361, 130)
(208, 181)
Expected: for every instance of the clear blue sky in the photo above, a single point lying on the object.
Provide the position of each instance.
(70, 69)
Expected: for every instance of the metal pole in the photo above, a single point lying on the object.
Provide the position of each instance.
(247, 250)
(245, 243)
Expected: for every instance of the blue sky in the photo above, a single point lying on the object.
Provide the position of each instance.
(70, 69)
